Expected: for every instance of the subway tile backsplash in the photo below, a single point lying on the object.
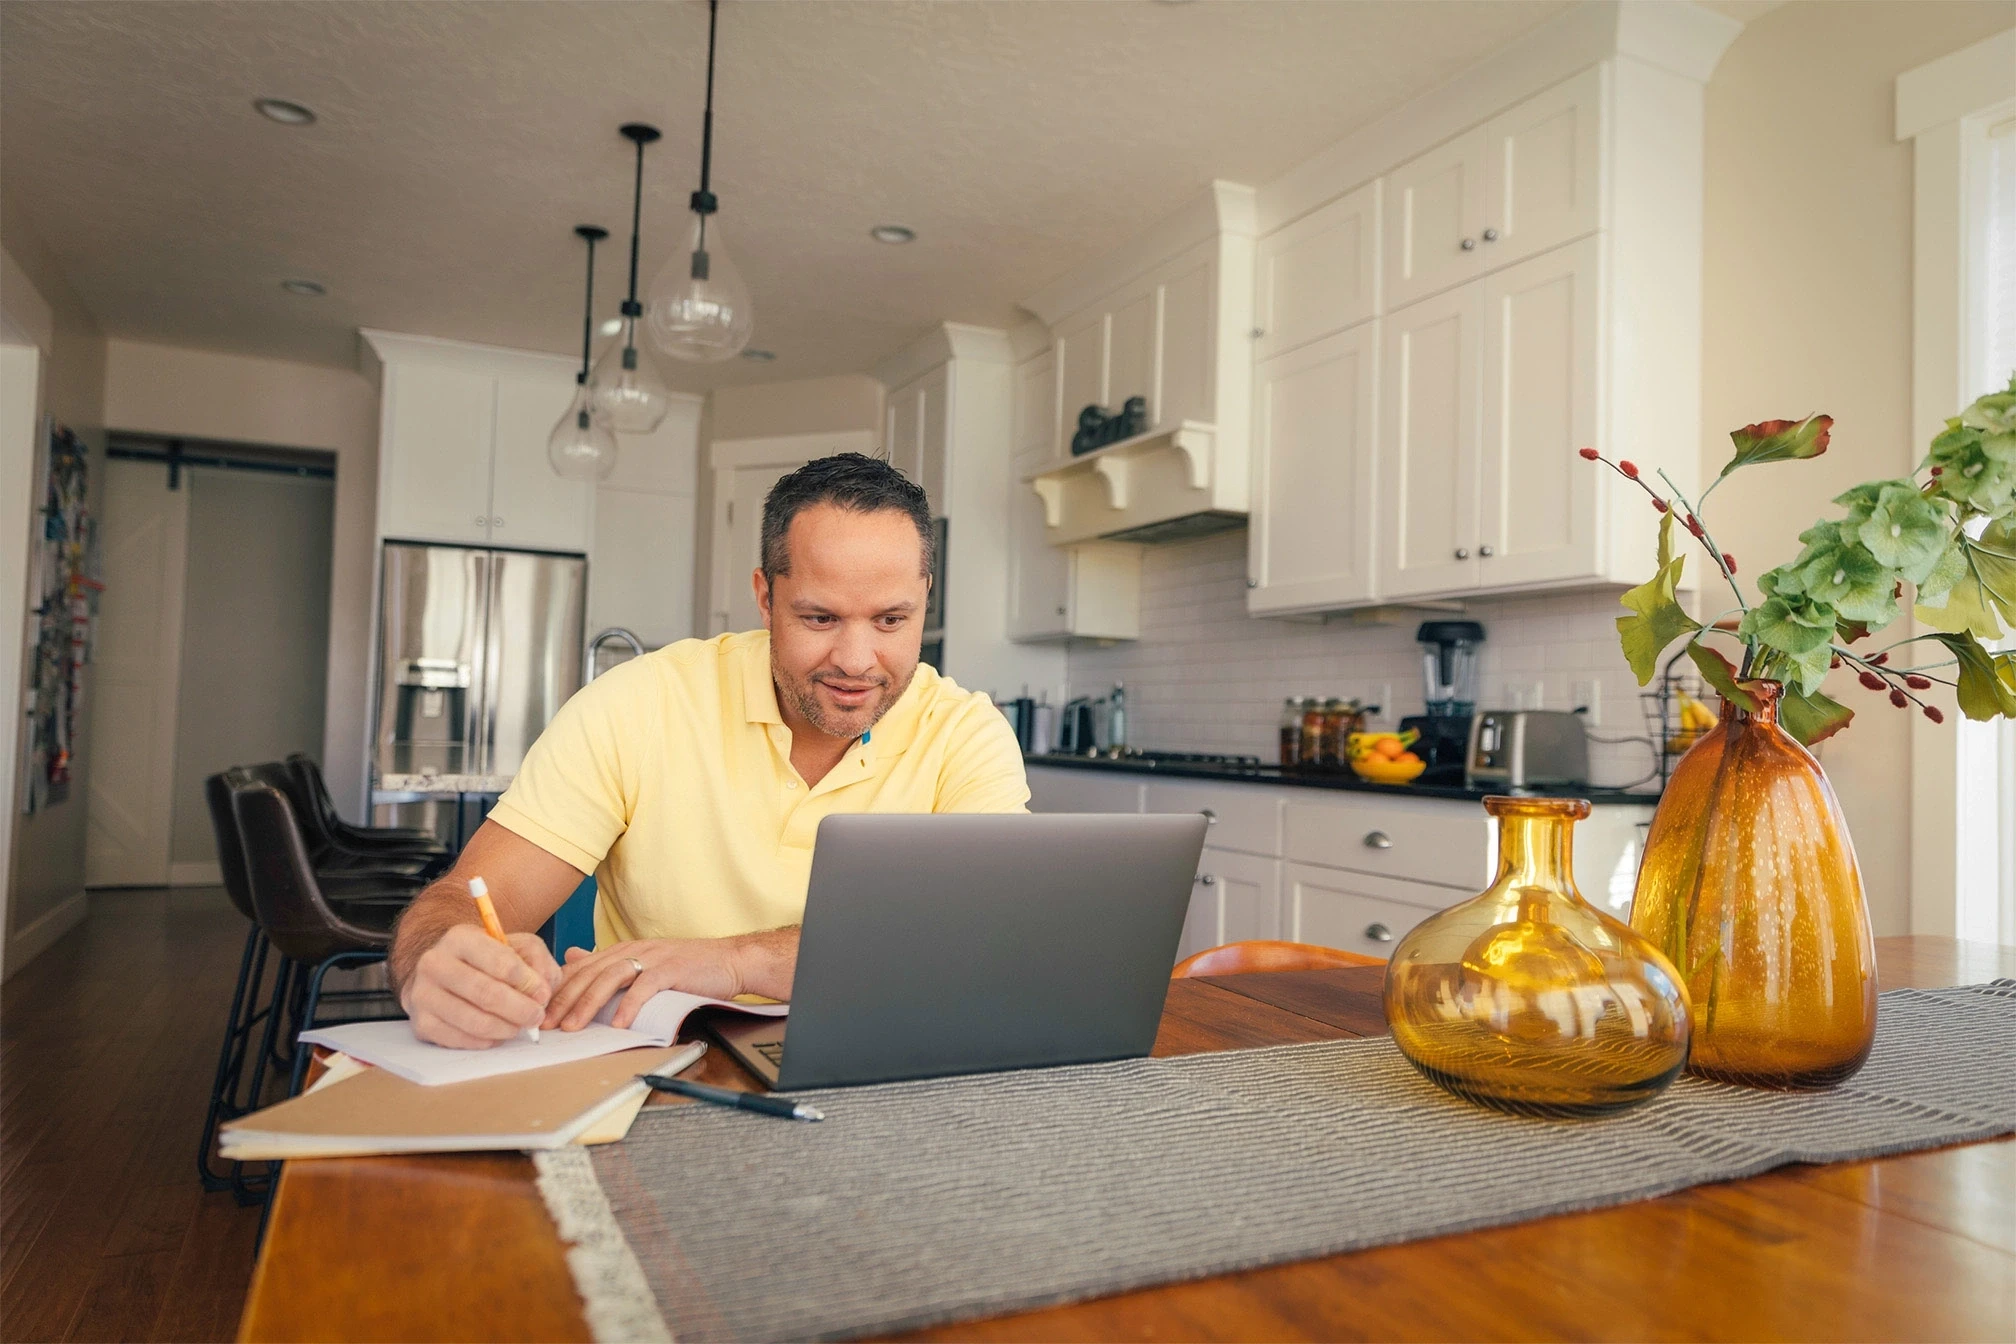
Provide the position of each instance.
(1205, 676)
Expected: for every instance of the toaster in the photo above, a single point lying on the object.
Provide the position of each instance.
(1522, 748)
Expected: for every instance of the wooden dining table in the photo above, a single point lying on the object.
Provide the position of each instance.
(1918, 1246)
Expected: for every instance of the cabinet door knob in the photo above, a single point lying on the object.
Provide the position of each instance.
(1252, 583)
(1484, 551)
(1210, 817)
(1490, 235)
(1469, 244)
(1258, 332)
(1060, 611)
(1206, 880)
(1378, 840)
(496, 522)
(1379, 933)
(481, 521)
(1462, 552)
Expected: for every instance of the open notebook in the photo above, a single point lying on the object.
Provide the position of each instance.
(371, 1112)
(392, 1046)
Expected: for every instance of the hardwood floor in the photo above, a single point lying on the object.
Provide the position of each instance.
(107, 1045)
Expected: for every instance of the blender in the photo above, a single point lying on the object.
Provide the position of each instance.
(1449, 688)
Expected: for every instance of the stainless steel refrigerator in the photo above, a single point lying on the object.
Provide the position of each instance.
(477, 650)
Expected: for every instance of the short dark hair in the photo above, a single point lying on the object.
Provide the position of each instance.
(850, 481)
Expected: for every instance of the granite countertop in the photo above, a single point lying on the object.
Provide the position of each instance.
(442, 783)
(1343, 781)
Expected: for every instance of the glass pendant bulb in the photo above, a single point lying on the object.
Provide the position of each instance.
(698, 306)
(624, 388)
(582, 447)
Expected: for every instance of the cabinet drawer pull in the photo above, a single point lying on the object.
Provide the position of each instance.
(1378, 840)
(1207, 880)
(1210, 817)
(1490, 235)
(1469, 244)
(481, 521)
(1462, 552)
(1379, 933)
(496, 522)
(1485, 551)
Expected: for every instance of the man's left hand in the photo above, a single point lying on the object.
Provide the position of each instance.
(704, 966)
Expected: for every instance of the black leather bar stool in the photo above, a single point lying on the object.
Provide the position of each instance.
(327, 853)
(311, 798)
(250, 1003)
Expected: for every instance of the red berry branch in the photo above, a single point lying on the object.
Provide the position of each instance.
(1721, 559)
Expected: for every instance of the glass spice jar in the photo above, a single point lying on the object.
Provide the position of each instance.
(1291, 732)
(1312, 734)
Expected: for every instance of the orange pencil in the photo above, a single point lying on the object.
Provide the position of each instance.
(480, 889)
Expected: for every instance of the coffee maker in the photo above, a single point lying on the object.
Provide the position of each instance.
(1449, 689)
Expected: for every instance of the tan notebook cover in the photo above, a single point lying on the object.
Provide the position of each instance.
(379, 1112)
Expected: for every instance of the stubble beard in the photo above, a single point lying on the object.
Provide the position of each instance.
(804, 701)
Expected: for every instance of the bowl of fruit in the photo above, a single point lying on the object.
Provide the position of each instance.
(1385, 758)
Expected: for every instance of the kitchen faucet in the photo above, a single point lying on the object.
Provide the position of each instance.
(595, 647)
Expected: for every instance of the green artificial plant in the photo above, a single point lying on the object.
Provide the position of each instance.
(1951, 540)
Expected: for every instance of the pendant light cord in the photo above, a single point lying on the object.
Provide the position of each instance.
(707, 117)
(631, 308)
(588, 315)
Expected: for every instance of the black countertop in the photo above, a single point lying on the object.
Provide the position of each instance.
(1340, 781)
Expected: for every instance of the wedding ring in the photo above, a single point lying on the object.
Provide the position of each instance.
(636, 967)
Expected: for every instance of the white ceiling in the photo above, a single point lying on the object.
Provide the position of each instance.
(458, 144)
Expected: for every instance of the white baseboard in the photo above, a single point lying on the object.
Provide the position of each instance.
(203, 873)
(24, 945)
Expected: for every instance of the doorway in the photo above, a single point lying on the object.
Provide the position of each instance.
(212, 643)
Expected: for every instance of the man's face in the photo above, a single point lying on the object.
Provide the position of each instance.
(847, 623)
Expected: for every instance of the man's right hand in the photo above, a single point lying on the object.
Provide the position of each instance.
(471, 992)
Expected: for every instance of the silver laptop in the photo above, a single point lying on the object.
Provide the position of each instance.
(943, 944)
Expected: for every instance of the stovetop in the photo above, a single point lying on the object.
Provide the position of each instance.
(1214, 765)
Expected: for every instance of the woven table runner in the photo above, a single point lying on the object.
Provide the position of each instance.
(924, 1202)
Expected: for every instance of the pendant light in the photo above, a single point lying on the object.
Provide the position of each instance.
(700, 307)
(582, 447)
(624, 385)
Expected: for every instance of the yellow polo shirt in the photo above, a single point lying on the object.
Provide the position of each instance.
(670, 778)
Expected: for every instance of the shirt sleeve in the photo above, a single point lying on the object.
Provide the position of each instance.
(572, 797)
(983, 765)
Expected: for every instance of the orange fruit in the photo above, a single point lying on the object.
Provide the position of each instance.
(1390, 748)
(1407, 758)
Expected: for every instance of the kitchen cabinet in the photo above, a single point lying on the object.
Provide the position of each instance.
(1525, 181)
(1489, 388)
(462, 445)
(1239, 818)
(1236, 897)
(1426, 464)
(1317, 275)
(1420, 841)
(1074, 789)
(1355, 911)
(1315, 433)
(1091, 590)
(916, 414)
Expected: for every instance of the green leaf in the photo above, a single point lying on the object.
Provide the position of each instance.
(1720, 674)
(1791, 625)
(1665, 538)
(1993, 558)
(1779, 441)
(1977, 467)
(1659, 619)
(1994, 412)
(1812, 717)
(1983, 693)
(1950, 569)
(1964, 609)
(1841, 572)
(1905, 532)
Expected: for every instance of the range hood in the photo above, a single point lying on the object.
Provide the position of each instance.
(1167, 319)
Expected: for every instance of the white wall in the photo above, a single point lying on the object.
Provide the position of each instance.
(45, 857)
(1807, 307)
(169, 390)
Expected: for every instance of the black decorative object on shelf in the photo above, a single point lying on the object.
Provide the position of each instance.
(1098, 428)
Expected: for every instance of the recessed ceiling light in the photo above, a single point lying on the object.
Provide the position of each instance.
(313, 289)
(284, 112)
(760, 356)
(892, 233)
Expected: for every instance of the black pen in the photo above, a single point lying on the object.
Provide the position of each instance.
(723, 1096)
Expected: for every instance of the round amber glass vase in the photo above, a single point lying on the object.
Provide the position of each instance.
(1750, 887)
(1527, 997)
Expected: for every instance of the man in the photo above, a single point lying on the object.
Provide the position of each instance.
(691, 782)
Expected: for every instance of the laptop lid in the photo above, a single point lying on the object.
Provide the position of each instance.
(946, 943)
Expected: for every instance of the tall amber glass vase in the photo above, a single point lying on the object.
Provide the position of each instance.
(1750, 887)
(1528, 998)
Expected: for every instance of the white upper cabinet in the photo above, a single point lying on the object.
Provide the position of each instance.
(1080, 352)
(1315, 431)
(1318, 275)
(434, 454)
(1430, 423)
(1528, 180)
(526, 510)
(1434, 213)
(462, 445)
(1543, 172)
(1537, 500)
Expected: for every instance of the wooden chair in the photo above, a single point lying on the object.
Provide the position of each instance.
(1262, 954)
